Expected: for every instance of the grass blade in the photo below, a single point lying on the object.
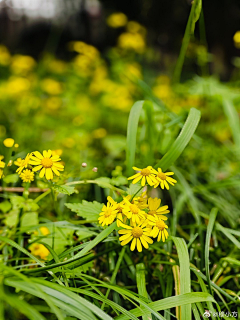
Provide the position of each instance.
(141, 285)
(182, 140)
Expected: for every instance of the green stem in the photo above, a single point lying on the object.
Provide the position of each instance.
(115, 273)
(136, 194)
(43, 195)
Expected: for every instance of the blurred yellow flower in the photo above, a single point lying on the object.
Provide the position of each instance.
(117, 20)
(156, 210)
(27, 175)
(9, 142)
(2, 163)
(1, 174)
(5, 56)
(51, 86)
(53, 103)
(236, 39)
(132, 41)
(57, 152)
(39, 250)
(17, 85)
(135, 27)
(22, 64)
(44, 231)
(18, 162)
(16, 145)
(47, 163)
(99, 133)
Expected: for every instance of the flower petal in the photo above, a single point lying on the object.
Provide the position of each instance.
(139, 245)
(42, 173)
(133, 244)
(49, 174)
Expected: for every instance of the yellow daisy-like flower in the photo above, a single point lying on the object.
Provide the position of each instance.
(119, 208)
(27, 175)
(159, 228)
(138, 234)
(163, 179)
(108, 214)
(133, 212)
(145, 175)
(141, 201)
(156, 210)
(39, 250)
(47, 163)
(18, 162)
(24, 163)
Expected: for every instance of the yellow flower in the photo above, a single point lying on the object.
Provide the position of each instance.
(9, 142)
(52, 86)
(27, 175)
(146, 175)
(39, 250)
(24, 163)
(236, 39)
(138, 234)
(18, 162)
(141, 201)
(163, 179)
(133, 212)
(2, 163)
(22, 64)
(159, 228)
(132, 41)
(117, 20)
(44, 231)
(47, 163)
(1, 174)
(57, 152)
(119, 208)
(156, 210)
(109, 213)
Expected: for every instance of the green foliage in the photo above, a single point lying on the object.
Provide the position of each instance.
(88, 210)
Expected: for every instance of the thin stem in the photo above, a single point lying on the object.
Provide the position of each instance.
(136, 194)
(115, 273)
(42, 195)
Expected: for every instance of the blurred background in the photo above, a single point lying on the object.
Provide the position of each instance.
(70, 68)
(33, 27)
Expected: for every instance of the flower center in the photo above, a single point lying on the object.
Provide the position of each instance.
(137, 232)
(134, 209)
(152, 212)
(108, 212)
(46, 163)
(145, 172)
(160, 224)
(162, 176)
(119, 209)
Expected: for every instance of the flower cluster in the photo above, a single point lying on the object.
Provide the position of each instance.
(140, 218)
(47, 164)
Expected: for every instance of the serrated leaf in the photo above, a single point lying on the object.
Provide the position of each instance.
(87, 210)
(64, 189)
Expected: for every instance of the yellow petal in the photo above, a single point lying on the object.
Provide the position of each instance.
(144, 243)
(55, 171)
(37, 168)
(139, 245)
(42, 173)
(133, 244)
(49, 174)
(143, 181)
(38, 155)
(126, 241)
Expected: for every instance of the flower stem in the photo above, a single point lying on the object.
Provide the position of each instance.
(136, 194)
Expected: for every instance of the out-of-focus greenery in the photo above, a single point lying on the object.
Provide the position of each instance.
(80, 109)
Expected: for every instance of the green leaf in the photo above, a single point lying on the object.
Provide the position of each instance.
(64, 189)
(185, 278)
(211, 221)
(88, 210)
(5, 206)
(233, 120)
(172, 302)
(182, 140)
(141, 285)
(11, 219)
(29, 219)
(19, 202)
(132, 134)
(11, 178)
(197, 8)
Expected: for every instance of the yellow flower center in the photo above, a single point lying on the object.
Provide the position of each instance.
(46, 163)
(145, 172)
(134, 209)
(137, 232)
(108, 212)
(119, 209)
(152, 212)
(162, 176)
(160, 224)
